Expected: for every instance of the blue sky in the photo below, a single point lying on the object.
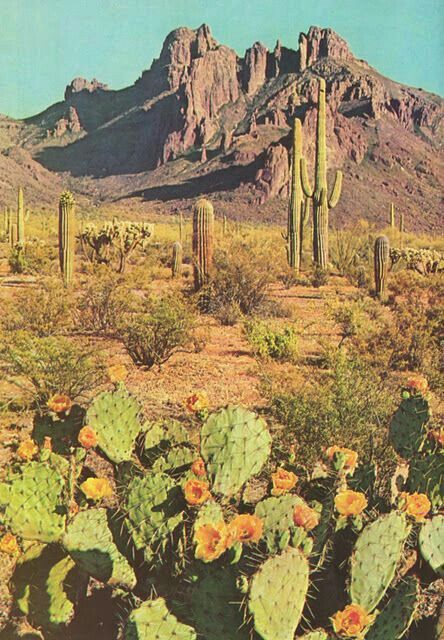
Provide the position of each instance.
(46, 43)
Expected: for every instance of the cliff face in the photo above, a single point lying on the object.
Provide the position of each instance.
(198, 93)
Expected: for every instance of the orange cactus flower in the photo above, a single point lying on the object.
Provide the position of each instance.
(417, 385)
(212, 540)
(283, 481)
(415, 505)
(87, 437)
(350, 503)
(197, 402)
(9, 545)
(352, 621)
(198, 468)
(437, 435)
(59, 403)
(196, 492)
(117, 373)
(351, 457)
(246, 528)
(27, 450)
(96, 488)
(305, 517)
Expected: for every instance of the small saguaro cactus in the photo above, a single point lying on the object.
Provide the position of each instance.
(66, 235)
(13, 235)
(203, 241)
(392, 215)
(322, 202)
(382, 251)
(176, 265)
(20, 217)
(180, 226)
(295, 222)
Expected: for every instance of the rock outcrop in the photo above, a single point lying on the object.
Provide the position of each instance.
(321, 43)
(81, 84)
(254, 68)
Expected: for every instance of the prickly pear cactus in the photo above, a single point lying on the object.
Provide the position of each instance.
(175, 459)
(318, 634)
(32, 503)
(43, 579)
(114, 416)
(214, 606)
(89, 542)
(407, 428)
(209, 513)
(431, 543)
(426, 475)
(277, 595)
(153, 511)
(277, 516)
(153, 621)
(394, 621)
(63, 432)
(235, 444)
(375, 558)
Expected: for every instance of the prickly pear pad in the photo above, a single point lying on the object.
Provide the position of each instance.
(153, 621)
(235, 444)
(431, 544)
(114, 416)
(90, 544)
(277, 516)
(41, 583)
(426, 475)
(32, 503)
(318, 634)
(394, 621)
(375, 558)
(277, 595)
(407, 428)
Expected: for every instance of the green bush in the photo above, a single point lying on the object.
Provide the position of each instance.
(43, 311)
(45, 366)
(347, 404)
(318, 277)
(34, 257)
(103, 302)
(267, 342)
(164, 326)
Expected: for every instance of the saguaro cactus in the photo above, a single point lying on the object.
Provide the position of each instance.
(295, 217)
(176, 265)
(181, 226)
(66, 235)
(203, 241)
(382, 251)
(13, 235)
(322, 202)
(392, 215)
(20, 217)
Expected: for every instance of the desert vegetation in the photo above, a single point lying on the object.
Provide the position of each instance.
(221, 430)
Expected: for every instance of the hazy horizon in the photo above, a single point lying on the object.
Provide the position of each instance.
(46, 43)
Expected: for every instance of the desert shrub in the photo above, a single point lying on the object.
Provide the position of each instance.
(163, 327)
(34, 257)
(43, 311)
(350, 248)
(318, 277)
(103, 302)
(267, 342)
(242, 277)
(290, 278)
(346, 404)
(229, 314)
(45, 366)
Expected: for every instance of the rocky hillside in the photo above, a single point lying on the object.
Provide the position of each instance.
(203, 120)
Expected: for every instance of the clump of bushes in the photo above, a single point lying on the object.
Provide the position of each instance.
(33, 257)
(267, 342)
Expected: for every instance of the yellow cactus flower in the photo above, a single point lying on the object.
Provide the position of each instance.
(350, 503)
(96, 488)
(352, 621)
(351, 457)
(197, 402)
(196, 492)
(417, 385)
(305, 517)
(212, 540)
(246, 528)
(198, 468)
(87, 437)
(283, 481)
(27, 450)
(9, 545)
(59, 403)
(415, 505)
(117, 373)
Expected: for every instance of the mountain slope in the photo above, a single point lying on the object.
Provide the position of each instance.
(203, 120)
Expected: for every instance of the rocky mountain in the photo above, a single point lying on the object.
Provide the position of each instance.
(202, 120)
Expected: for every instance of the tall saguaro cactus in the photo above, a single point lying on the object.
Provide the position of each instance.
(382, 252)
(392, 215)
(295, 224)
(20, 217)
(322, 202)
(66, 236)
(203, 241)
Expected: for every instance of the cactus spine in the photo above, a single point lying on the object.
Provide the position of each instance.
(203, 241)
(176, 265)
(392, 215)
(295, 209)
(322, 203)
(382, 250)
(20, 217)
(66, 236)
